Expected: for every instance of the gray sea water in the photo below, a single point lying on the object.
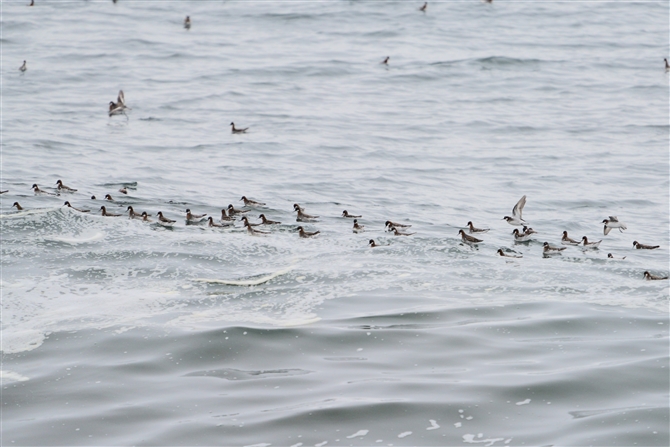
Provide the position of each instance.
(121, 332)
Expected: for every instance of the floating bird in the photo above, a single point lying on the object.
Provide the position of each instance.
(192, 217)
(236, 130)
(304, 233)
(469, 239)
(303, 217)
(667, 66)
(516, 218)
(611, 256)
(639, 246)
(187, 22)
(18, 207)
(385, 61)
(389, 225)
(566, 240)
(37, 190)
(164, 219)
(108, 197)
(267, 221)
(105, 213)
(529, 230)
(358, 228)
(232, 211)
(476, 230)
(397, 232)
(613, 222)
(93, 198)
(76, 209)
(225, 217)
(145, 217)
(247, 223)
(507, 255)
(123, 191)
(345, 213)
(521, 237)
(216, 225)
(32, 3)
(649, 277)
(119, 107)
(248, 202)
(251, 230)
(372, 243)
(62, 187)
(132, 214)
(424, 7)
(588, 244)
(23, 67)
(549, 249)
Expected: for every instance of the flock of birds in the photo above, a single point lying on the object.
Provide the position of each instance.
(229, 214)
(472, 237)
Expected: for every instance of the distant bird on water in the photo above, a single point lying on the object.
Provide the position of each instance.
(424, 7)
(236, 130)
(32, 3)
(639, 246)
(386, 61)
(649, 277)
(23, 67)
(187, 22)
(119, 107)
(667, 66)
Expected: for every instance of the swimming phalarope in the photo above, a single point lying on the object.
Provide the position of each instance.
(549, 249)
(251, 230)
(566, 240)
(211, 223)
(187, 22)
(18, 207)
(358, 228)
(145, 217)
(105, 213)
(76, 209)
(232, 211)
(529, 230)
(385, 61)
(23, 67)
(588, 244)
(345, 213)
(267, 221)
(304, 233)
(132, 214)
(649, 277)
(507, 255)
(252, 203)
(164, 219)
(236, 130)
(37, 190)
(397, 232)
(424, 7)
(62, 187)
(225, 216)
(611, 256)
(296, 207)
(516, 218)
(372, 243)
(521, 237)
(108, 198)
(468, 239)
(613, 222)
(476, 230)
(390, 225)
(194, 217)
(123, 191)
(639, 246)
(246, 222)
(119, 107)
(303, 217)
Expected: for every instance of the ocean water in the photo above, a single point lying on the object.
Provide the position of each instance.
(122, 332)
